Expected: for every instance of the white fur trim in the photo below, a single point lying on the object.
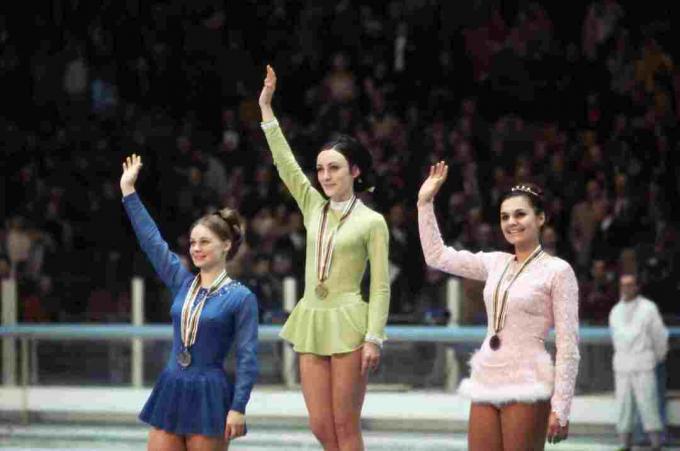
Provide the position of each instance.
(504, 394)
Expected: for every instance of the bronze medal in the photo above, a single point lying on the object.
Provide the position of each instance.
(184, 358)
(495, 342)
(500, 301)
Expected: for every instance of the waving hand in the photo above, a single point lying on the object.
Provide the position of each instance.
(131, 167)
(267, 94)
(433, 183)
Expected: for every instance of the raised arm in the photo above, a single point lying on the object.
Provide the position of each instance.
(564, 295)
(166, 263)
(437, 255)
(288, 168)
(267, 94)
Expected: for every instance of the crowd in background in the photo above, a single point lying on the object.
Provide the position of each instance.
(581, 98)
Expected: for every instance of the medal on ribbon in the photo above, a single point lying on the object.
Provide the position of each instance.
(326, 244)
(500, 309)
(191, 314)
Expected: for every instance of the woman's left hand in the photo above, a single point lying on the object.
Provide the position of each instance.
(236, 425)
(370, 357)
(556, 433)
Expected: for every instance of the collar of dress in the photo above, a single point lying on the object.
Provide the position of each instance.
(340, 206)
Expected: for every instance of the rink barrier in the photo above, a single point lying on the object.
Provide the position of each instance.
(136, 332)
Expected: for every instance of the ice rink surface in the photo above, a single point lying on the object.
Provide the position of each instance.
(65, 437)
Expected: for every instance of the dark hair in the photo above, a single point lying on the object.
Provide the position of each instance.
(227, 225)
(358, 155)
(531, 191)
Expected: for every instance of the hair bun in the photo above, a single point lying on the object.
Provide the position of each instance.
(234, 221)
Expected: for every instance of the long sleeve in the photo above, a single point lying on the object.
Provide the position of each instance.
(379, 296)
(659, 335)
(289, 170)
(246, 353)
(613, 325)
(565, 311)
(166, 263)
(438, 256)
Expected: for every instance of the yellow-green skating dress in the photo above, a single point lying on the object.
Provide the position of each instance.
(343, 320)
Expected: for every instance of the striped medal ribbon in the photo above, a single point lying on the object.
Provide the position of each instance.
(191, 314)
(501, 311)
(325, 246)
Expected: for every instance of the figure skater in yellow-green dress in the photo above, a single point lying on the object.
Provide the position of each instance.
(337, 335)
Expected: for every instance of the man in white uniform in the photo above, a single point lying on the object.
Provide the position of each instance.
(640, 342)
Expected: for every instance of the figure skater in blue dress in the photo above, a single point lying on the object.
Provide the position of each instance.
(193, 406)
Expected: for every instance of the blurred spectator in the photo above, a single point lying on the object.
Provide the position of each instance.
(339, 85)
(76, 74)
(5, 268)
(262, 283)
(552, 242)
(584, 222)
(429, 303)
(104, 93)
(291, 243)
(503, 93)
(33, 309)
(598, 294)
(401, 258)
(18, 245)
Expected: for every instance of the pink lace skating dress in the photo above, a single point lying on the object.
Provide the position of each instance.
(544, 295)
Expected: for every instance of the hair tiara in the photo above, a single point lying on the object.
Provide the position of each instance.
(525, 189)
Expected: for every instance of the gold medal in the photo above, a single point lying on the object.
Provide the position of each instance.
(325, 242)
(321, 291)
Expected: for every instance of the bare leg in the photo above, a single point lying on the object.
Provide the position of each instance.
(315, 377)
(524, 425)
(160, 440)
(484, 428)
(206, 443)
(349, 389)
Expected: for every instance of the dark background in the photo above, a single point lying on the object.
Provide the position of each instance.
(579, 97)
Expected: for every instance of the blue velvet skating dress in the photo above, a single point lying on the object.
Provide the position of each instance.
(196, 399)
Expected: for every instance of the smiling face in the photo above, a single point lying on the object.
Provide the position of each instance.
(520, 224)
(334, 175)
(206, 248)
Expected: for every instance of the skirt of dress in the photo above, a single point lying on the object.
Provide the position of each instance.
(326, 327)
(189, 401)
(499, 379)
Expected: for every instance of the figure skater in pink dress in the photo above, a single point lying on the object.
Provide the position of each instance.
(518, 397)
